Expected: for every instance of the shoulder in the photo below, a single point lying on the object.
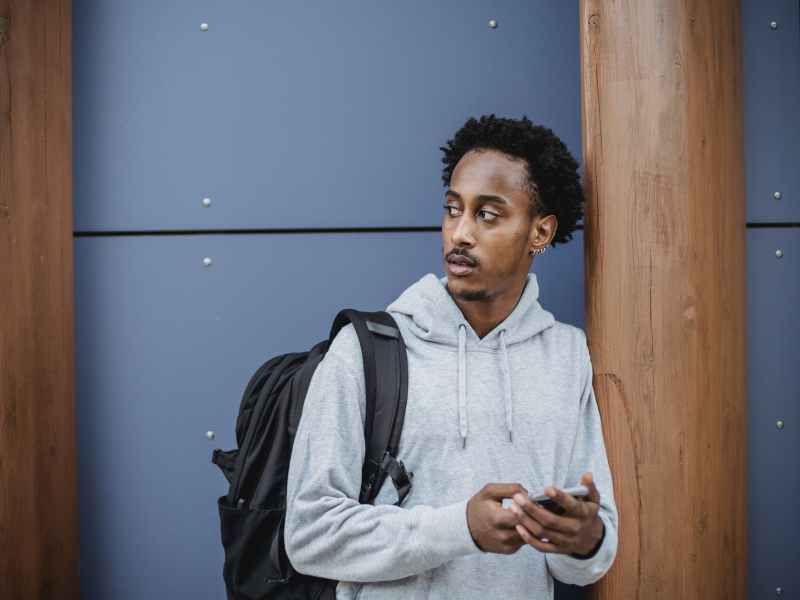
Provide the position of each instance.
(568, 343)
(568, 336)
(345, 348)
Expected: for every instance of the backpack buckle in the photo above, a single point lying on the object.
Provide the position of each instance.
(401, 478)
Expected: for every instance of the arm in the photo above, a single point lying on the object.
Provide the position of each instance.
(328, 533)
(589, 454)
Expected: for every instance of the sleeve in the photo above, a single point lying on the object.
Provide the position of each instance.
(589, 454)
(327, 532)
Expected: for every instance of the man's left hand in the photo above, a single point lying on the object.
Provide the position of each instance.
(577, 531)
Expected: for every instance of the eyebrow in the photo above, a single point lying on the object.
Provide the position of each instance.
(482, 198)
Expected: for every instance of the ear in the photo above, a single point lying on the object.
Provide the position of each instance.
(542, 232)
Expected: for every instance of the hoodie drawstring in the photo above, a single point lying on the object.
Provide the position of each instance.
(462, 384)
(506, 382)
(463, 426)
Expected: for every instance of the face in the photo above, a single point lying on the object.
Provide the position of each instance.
(487, 224)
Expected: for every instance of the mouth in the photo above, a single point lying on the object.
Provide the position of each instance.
(459, 267)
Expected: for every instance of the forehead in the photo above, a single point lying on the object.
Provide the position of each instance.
(490, 172)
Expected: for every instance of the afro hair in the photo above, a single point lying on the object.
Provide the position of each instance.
(554, 182)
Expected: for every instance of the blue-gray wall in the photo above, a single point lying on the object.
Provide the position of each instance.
(292, 118)
(772, 151)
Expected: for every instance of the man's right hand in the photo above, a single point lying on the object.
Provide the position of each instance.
(493, 527)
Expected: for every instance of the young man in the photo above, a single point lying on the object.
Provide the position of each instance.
(499, 391)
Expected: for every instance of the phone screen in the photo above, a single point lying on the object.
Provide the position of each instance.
(552, 506)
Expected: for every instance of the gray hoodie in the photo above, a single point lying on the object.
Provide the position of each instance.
(516, 406)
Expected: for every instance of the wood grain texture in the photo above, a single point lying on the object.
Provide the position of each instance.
(665, 288)
(38, 498)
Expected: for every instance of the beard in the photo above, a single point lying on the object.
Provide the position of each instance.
(469, 295)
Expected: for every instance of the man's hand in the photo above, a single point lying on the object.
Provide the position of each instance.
(492, 526)
(577, 531)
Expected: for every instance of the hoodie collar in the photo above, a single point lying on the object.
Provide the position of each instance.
(433, 316)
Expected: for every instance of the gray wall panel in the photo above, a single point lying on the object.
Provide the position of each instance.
(773, 388)
(772, 146)
(771, 101)
(290, 114)
(165, 347)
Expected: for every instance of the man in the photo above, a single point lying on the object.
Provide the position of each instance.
(499, 391)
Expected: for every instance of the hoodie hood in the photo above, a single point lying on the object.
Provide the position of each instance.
(433, 316)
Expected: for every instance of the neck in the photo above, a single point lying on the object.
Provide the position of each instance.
(485, 315)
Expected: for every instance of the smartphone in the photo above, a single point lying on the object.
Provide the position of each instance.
(578, 492)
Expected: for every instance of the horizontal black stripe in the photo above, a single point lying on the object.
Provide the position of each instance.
(318, 230)
(252, 231)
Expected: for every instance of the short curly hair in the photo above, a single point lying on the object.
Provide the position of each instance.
(554, 182)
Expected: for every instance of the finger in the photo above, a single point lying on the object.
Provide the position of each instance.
(505, 518)
(553, 522)
(537, 543)
(521, 518)
(536, 529)
(534, 510)
(594, 493)
(559, 540)
(592, 509)
(570, 505)
(498, 491)
(527, 505)
(545, 518)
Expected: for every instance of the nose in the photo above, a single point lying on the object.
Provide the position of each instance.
(463, 233)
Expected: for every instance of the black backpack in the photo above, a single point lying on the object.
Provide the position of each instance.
(252, 512)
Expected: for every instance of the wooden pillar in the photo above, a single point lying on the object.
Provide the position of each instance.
(665, 288)
(38, 488)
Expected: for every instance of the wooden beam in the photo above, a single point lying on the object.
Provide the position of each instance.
(665, 288)
(38, 497)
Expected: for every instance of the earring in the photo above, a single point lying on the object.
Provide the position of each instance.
(537, 251)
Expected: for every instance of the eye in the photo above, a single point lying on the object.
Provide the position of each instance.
(493, 216)
(448, 208)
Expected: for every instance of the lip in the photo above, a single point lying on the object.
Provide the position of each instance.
(459, 270)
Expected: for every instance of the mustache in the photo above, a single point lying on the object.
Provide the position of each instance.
(457, 252)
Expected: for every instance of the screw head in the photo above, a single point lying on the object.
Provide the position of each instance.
(210, 435)
(776, 195)
(203, 26)
(207, 261)
(492, 23)
(206, 201)
(774, 25)
(779, 423)
(778, 591)
(779, 253)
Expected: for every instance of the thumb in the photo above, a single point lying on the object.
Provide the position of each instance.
(588, 481)
(498, 491)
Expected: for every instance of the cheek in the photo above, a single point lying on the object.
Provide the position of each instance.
(508, 251)
(500, 259)
(508, 257)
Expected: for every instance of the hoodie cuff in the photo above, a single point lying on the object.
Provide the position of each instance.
(583, 571)
(444, 533)
(596, 547)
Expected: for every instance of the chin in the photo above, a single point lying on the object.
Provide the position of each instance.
(465, 292)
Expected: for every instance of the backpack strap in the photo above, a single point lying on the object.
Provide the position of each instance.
(386, 383)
